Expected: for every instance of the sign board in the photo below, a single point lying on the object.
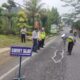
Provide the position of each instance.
(54, 28)
(20, 51)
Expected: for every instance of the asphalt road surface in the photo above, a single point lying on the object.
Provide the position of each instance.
(41, 66)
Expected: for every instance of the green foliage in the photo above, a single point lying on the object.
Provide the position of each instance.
(7, 14)
(75, 6)
(5, 5)
(53, 18)
(33, 7)
(44, 19)
(22, 19)
(76, 25)
(9, 22)
(10, 40)
(68, 20)
(5, 24)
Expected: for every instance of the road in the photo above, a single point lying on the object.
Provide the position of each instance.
(41, 66)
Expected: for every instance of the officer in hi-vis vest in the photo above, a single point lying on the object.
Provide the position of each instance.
(71, 41)
(39, 39)
(43, 36)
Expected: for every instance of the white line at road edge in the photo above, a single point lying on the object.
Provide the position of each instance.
(62, 54)
(24, 61)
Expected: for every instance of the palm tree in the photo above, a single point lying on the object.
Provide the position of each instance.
(12, 3)
(33, 7)
(8, 6)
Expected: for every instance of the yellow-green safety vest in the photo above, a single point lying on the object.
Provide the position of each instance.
(70, 39)
(43, 35)
(39, 36)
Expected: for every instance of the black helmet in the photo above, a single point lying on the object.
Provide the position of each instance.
(71, 31)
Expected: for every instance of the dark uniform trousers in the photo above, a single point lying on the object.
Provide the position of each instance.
(42, 43)
(35, 45)
(70, 47)
(23, 39)
(39, 44)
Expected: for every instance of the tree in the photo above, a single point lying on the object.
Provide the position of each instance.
(33, 7)
(67, 20)
(75, 5)
(76, 25)
(52, 18)
(8, 6)
(44, 17)
(75, 14)
(11, 3)
(3, 21)
(22, 19)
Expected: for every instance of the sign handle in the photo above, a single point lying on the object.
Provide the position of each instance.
(19, 74)
(20, 67)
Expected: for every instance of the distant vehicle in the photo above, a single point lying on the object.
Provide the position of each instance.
(54, 29)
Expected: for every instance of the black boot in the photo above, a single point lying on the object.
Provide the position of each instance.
(69, 53)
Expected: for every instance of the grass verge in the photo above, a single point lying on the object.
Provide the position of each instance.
(10, 40)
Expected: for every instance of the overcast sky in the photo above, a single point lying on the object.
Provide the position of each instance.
(49, 3)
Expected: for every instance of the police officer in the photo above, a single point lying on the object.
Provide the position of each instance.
(43, 36)
(23, 34)
(71, 41)
(39, 39)
(35, 40)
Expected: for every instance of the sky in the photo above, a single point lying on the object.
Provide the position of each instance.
(49, 3)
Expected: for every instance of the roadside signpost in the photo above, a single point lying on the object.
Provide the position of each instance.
(20, 51)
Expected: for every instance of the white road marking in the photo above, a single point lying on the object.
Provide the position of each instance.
(10, 71)
(62, 56)
(23, 62)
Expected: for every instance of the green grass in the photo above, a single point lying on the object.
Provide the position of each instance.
(10, 40)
